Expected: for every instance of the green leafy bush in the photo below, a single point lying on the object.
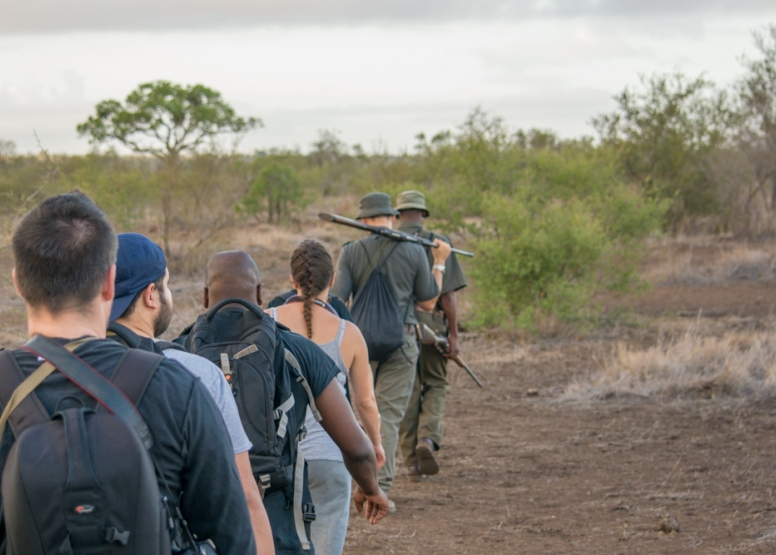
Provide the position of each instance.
(276, 190)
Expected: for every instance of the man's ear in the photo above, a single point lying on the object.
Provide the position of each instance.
(205, 298)
(109, 284)
(148, 296)
(259, 289)
(331, 281)
(16, 283)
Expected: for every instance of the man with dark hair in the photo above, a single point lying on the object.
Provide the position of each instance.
(142, 311)
(64, 254)
(420, 434)
(233, 275)
(412, 282)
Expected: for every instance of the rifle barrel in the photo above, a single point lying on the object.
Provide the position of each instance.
(459, 361)
(394, 234)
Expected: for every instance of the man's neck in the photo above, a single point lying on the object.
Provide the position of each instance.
(69, 324)
(411, 224)
(137, 326)
(215, 300)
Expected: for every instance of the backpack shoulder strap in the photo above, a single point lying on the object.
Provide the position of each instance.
(124, 335)
(20, 409)
(372, 266)
(160, 346)
(134, 373)
(294, 363)
(94, 383)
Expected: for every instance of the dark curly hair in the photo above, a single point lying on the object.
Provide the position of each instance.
(311, 268)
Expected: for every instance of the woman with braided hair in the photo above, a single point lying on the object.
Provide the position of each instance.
(308, 313)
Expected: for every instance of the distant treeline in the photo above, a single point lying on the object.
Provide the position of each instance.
(552, 220)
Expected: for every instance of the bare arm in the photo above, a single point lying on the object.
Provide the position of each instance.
(261, 528)
(449, 303)
(440, 256)
(340, 423)
(362, 382)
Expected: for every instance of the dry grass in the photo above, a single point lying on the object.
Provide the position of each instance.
(704, 261)
(737, 364)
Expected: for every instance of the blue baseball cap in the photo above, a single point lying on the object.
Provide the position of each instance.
(139, 263)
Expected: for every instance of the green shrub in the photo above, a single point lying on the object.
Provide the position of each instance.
(276, 190)
(535, 259)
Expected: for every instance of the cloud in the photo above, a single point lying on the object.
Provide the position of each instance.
(46, 16)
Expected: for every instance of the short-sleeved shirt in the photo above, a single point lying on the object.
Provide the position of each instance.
(407, 269)
(453, 278)
(215, 382)
(191, 445)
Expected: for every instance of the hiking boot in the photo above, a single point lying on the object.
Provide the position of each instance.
(426, 455)
(414, 474)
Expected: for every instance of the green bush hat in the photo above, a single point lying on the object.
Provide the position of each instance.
(375, 204)
(411, 200)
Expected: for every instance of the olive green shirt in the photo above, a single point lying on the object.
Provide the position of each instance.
(453, 278)
(406, 269)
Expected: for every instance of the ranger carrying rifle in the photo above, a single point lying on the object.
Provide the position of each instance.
(386, 279)
(420, 433)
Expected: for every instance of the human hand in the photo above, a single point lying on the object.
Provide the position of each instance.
(380, 455)
(452, 347)
(442, 252)
(374, 506)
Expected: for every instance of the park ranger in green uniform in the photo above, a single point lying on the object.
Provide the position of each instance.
(413, 283)
(421, 430)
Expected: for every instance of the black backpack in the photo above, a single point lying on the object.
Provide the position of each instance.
(375, 310)
(81, 481)
(260, 371)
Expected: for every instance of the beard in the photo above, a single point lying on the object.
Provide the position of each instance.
(164, 317)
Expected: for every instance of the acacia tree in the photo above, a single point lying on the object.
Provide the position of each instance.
(165, 120)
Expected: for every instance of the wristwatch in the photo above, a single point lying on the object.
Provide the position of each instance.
(440, 267)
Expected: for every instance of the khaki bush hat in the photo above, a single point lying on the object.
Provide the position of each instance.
(375, 204)
(411, 200)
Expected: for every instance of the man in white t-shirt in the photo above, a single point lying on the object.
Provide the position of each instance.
(142, 310)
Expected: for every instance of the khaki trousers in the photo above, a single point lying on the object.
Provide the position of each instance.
(394, 379)
(426, 407)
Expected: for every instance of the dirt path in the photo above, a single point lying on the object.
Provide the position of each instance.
(538, 475)
(535, 475)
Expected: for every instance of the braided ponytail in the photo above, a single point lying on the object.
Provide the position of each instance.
(311, 268)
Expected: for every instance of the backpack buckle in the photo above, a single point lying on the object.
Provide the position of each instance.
(113, 535)
(308, 512)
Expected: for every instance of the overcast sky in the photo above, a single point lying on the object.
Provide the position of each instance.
(377, 72)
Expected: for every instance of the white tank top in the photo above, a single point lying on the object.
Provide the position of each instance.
(318, 446)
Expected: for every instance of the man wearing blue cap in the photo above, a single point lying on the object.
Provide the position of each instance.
(142, 310)
(64, 268)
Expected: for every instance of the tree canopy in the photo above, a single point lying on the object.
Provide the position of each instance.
(165, 119)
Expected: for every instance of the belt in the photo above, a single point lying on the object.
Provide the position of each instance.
(409, 329)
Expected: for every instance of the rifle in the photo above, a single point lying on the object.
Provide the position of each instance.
(427, 337)
(394, 234)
